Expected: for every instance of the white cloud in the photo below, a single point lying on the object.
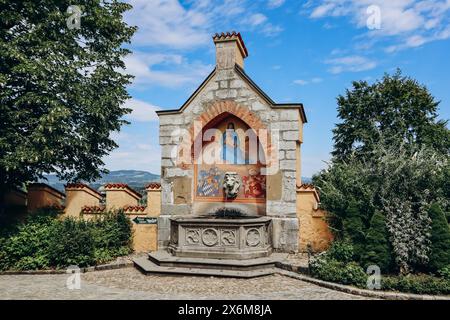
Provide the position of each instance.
(272, 4)
(353, 63)
(409, 23)
(271, 30)
(303, 82)
(142, 111)
(171, 24)
(257, 19)
(167, 23)
(176, 70)
(138, 151)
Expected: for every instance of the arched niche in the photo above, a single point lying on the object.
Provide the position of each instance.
(227, 143)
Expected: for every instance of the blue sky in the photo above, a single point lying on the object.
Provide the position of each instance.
(299, 51)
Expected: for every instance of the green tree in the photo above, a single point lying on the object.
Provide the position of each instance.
(395, 109)
(354, 228)
(377, 249)
(61, 88)
(440, 239)
(398, 181)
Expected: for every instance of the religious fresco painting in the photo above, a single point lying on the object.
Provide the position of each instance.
(235, 157)
(210, 178)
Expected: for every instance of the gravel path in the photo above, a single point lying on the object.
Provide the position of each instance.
(129, 283)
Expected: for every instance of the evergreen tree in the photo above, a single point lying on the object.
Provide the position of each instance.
(440, 239)
(377, 250)
(354, 228)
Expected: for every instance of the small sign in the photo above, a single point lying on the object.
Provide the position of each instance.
(145, 220)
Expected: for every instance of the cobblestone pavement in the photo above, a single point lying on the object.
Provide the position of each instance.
(129, 283)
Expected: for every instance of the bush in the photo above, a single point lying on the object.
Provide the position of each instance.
(377, 249)
(25, 246)
(440, 239)
(113, 230)
(43, 241)
(72, 244)
(419, 284)
(341, 251)
(332, 270)
(445, 273)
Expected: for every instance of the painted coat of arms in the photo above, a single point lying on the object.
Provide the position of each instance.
(208, 184)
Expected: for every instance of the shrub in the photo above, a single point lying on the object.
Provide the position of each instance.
(25, 246)
(341, 251)
(332, 270)
(440, 239)
(377, 249)
(42, 241)
(419, 284)
(445, 273)
(72, 243)
(112, 230)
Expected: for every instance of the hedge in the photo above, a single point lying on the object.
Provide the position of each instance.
(43, 241)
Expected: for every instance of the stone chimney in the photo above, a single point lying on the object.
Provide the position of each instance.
(230, 50)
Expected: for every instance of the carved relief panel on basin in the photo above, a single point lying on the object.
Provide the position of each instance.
(237, 238)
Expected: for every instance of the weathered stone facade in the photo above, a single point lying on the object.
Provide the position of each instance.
(229, 90)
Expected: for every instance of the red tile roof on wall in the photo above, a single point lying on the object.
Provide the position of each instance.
(153, 185)
(307, 187)
(122, 186)
(82, 186)
(93, 209)
(102, 209)
(134, 208)
(229, 35)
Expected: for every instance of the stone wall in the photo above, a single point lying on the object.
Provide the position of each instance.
(314, 231)
(81, 201)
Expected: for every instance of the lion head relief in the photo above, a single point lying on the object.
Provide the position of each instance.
(231, 185)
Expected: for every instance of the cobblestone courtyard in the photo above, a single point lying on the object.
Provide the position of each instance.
(131, 284)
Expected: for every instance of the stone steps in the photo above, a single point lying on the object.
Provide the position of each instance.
(163, 262)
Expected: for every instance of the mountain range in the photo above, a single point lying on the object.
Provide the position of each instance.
(136, 179)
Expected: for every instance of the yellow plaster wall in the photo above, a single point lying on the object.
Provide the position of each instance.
(154, 203)
(116, 199)
(313, 227)
(77, 199)
(43, 197)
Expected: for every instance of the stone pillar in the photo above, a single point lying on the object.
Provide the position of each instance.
(41, 195)
(79, 195)
(282, 202)
(120, 195)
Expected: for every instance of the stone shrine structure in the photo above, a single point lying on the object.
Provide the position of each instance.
(230, 175)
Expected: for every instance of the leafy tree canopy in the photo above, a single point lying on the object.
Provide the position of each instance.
(61, 88)
(396, 110)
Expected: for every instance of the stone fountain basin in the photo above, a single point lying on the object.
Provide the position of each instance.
(220, 238)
